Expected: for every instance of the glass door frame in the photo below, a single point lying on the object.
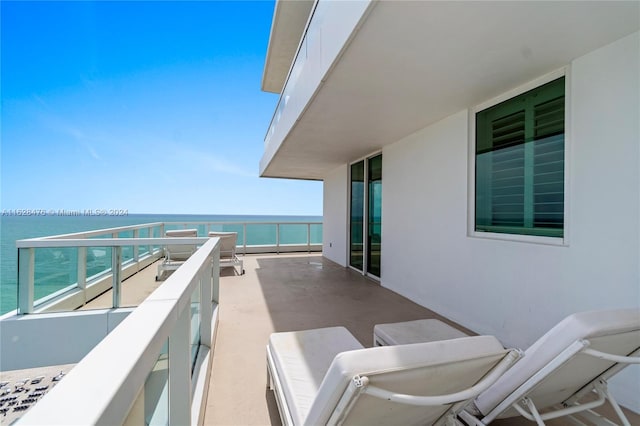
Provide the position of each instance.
(365, 216)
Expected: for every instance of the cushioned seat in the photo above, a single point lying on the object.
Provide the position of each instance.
(302, 358)
(574, 358)
(418, 331)
(325, 376)
(176, 254)
(228, 256)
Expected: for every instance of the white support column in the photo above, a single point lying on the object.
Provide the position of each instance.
(215, 276)
(244, 239)
(136, 251)
(116, 268)
(26, 280)
(180, 371)
(206, 307)
(82, 272)
(150, 235)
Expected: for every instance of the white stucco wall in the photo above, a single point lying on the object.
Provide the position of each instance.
(518, 290)
(335, 215)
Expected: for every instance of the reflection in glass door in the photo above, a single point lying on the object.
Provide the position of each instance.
(366, 215)
(356, 253)
(374, 224)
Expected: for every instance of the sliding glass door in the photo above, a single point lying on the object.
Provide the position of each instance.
(374, 223)
(365, 218)
(356, 254)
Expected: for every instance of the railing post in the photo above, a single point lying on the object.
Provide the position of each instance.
(309, 238)
(82, 272)
(26, 280)
(277, 238)
(206, 307)
(136, 250)
(215, 276)
(116, 264)
(150, 233)
(180, 370)
(244, 239)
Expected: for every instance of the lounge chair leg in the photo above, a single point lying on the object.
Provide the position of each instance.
(470, 419)
(533, 410)
(601, 386)
(452, 420)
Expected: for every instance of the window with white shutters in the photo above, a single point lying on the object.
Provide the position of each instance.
(520, 164)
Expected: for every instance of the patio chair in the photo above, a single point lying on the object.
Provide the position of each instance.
(176, 254)
(564, 371)
(326, 377)
(228, 256)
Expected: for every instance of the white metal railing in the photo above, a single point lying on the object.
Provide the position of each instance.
(26, 265)
(71, 295)
(108, 386)
(250, 245)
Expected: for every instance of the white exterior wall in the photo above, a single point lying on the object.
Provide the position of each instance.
(335, 215)
(29, 341)
(517, 290)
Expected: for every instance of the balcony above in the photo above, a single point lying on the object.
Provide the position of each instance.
(289, 21)
(370, 73)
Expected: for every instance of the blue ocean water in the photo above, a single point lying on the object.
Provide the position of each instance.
(14, 228)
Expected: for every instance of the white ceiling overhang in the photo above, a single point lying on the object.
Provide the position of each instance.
(412, 63)
(289, 21)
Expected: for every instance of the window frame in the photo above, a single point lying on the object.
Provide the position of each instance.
(471, 213)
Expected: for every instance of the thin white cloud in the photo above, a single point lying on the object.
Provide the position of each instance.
(57, 124)
(207, 161)
(92, 151)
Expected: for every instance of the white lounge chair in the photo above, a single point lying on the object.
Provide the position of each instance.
(228, 256)
(573, 359)
(176, 254)
(325, 376)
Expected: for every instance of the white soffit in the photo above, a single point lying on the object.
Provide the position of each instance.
(289, 21)
(413, 63)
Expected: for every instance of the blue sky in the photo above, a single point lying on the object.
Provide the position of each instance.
(153, 107)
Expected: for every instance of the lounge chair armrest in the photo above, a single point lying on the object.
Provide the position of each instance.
(611, 357)
(510, 358)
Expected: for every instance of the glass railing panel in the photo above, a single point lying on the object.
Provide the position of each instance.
(55, 270)
(143, 250)
(156, 233)
(316, 233)
(172, 226)
(127, 251)
(231, 227)
(195, 324)
(260, 234)
(293, 233)
(156, 391)
(98, 262)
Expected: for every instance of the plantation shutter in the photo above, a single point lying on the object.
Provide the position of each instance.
(520, 164)
(507, 175)
(548, 175)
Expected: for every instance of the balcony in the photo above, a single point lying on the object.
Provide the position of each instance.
(75, 290)
(283, 292)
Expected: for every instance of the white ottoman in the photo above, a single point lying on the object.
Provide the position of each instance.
(419, 331)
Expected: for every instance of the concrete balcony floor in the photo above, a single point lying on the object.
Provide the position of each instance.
(287, 293)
